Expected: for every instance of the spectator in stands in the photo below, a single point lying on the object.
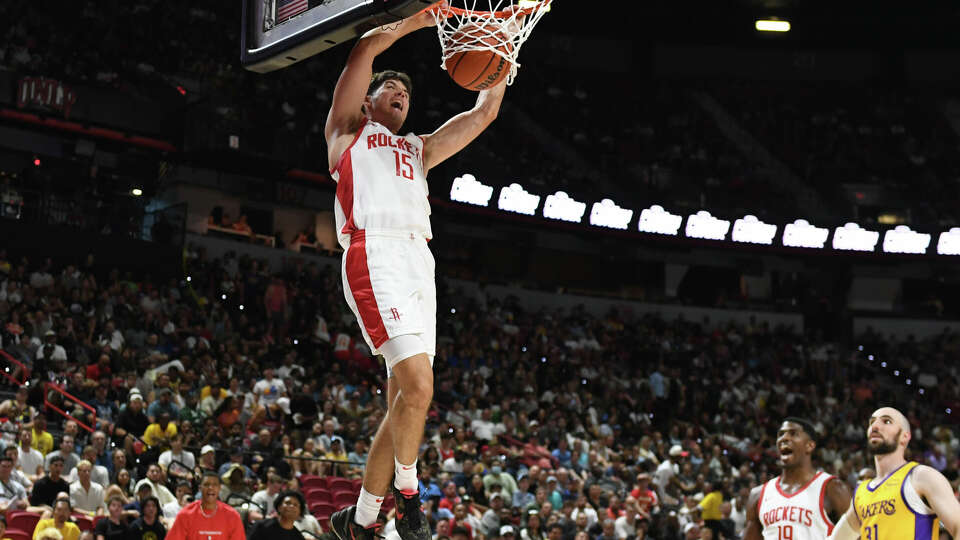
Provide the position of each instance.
(98, 474)
(290, 507)
(155, 480)
(50, 351)
(17, 474)
(234, 489)
(132, 422)
(45, 489)
(177, 463)
(17, 408)
(60, 521)
(266, 496)
(184, 494)
(87, 496)
(13, 496)
(70, 459)
(114, 525)
(275, 302)
(30, 459)
(148, 525)
(163, 404)
(42, 440)
(159, 434)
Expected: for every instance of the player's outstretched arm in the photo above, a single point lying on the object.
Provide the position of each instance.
(932, 486)
(847, 527)
(463, 128)
(753, 530)
(345, 113)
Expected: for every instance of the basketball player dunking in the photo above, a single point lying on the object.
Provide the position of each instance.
(906, 500)
(801, 503)
(383, 224)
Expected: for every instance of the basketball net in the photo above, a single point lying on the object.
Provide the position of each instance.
(497, 26)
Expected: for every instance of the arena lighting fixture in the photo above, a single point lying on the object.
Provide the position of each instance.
(772, 25)
(136, 192)
(467, 189)
(902, 240)
(514, 198)
(561, 206)
(949, 242)
(657, 220)
(703, 225)
(751, 230)
(852, 237)
(606, 213)
(802, 234)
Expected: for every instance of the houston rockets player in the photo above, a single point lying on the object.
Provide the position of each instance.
(383, 224)
(906, 500)
(801, 503)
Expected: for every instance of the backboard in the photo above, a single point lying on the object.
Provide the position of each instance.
(278, 33)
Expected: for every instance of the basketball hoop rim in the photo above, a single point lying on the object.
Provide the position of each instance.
(502, 14)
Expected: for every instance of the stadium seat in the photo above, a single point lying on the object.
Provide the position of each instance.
(312, 481)
(22, 521)
(388, 504)
(344, 498)
(341, 484)
(85, 523)
(16, 534)
(357, 484)
(318, 495)
(322, 510)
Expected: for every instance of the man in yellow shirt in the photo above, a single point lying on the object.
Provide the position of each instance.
(710, 508)
(160, 432)
(337, 453)
(61, 512)
(42, 439)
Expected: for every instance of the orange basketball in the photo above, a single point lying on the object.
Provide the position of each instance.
(478, 70)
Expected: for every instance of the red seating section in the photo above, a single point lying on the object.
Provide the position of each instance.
(326, 495)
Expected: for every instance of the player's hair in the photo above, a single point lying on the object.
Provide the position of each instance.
(383, 76)
(805, 424)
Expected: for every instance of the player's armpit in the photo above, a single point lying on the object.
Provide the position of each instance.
(837, 500)
(753, 530)
(936, 490)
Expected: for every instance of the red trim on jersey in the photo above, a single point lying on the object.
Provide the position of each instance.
(353, 142)
(805, 486)
(358, 276)
(345, 184)
(823, 513)
(760, 500)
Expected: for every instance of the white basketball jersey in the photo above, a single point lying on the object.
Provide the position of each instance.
(799, 516)
(381, 184)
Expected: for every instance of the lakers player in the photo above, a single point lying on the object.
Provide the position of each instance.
(906, 500)
(802, 503)
(383, 224)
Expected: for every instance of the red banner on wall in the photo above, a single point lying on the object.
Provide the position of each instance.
(46, 93)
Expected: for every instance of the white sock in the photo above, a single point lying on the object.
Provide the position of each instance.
(368, 508)
(406, 476)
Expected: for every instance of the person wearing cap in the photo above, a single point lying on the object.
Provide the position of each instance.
(207, 461)
(666, 477)
(50, 350)
(490, 521)
(131, 422)
(508, 486)
(522, 496)
(337, 452)
(507, 532)
(554, 496)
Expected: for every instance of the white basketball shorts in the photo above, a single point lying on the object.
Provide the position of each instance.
(388, 282)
